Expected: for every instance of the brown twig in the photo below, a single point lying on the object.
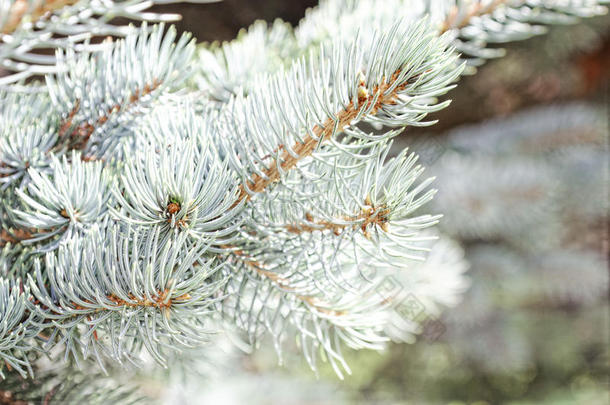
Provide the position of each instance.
(288, 160)
(284, 284)
(367, 216)
(78, 137)
(303, 149)
(160, 301)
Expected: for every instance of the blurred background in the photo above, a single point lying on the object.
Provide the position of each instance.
(521, 160)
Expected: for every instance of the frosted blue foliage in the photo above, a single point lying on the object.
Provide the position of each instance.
(156, 297)
(18, 326)
(27, 26)
(99, 112)
(471, 25)
(152, 193)
(179, 187)
(66, 204)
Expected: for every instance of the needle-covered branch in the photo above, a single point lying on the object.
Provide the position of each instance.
(126, 284)
(143, 206)
(28, 27)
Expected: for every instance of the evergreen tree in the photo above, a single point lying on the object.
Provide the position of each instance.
(154, 191)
